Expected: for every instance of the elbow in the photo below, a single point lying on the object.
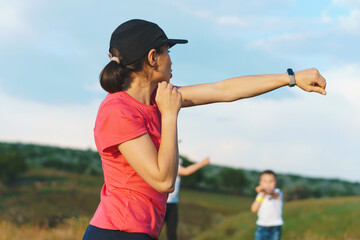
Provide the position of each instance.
(253, 209)
(167, 190)
(165, 187)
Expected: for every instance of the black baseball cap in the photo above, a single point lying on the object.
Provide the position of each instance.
(136, 37)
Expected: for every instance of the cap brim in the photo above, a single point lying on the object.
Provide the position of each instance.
(172, 42)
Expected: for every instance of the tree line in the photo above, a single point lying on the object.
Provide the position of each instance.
(17, 158)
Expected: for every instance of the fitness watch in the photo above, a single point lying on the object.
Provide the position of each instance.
(292, 77)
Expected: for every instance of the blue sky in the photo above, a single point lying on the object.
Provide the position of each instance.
(52, 54)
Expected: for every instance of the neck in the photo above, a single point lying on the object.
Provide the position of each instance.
(141, 91)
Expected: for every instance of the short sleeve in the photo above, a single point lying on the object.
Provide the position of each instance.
(116, 124)
(279, 192)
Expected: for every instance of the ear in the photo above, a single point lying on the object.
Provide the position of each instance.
(152, 57)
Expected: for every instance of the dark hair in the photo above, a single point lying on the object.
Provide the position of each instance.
(116, 77)
(268, 172)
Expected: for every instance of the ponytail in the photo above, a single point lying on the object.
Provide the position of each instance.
(116, 77)
(112, 77)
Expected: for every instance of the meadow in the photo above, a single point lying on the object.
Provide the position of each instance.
(52, 204)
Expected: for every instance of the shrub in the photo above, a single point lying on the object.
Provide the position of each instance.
(12, 164)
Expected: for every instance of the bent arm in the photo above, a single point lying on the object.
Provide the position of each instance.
(186, 171)
(257, 203)
(233, 89)
(157, 168)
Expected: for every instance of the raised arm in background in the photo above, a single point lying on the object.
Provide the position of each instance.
(185, 171)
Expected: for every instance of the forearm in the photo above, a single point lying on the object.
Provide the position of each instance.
(249, 86)
(185, 171)
(255, 206)
(257, 203)
(168, 154)
(232, 89)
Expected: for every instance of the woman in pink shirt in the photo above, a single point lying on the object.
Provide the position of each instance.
(136, 126)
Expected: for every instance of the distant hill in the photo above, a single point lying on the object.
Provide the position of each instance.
(212, 178)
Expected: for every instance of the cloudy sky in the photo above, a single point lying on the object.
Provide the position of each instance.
(53, 51)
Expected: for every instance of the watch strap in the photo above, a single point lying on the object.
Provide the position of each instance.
(292, 77)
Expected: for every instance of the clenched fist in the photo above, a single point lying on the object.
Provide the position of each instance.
(168, 98)
(310, 80)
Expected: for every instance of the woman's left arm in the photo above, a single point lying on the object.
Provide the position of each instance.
(233, 89)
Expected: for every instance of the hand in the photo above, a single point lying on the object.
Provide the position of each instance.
(268, 191)
(168, 98)
(275, 195)
(206, 161)
(259, 189)
(310, 80)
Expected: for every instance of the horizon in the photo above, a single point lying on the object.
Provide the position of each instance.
(192, 160)
(53, 52)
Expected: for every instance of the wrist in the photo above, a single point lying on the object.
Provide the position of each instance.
(169, 116)
(284, 78)
(259, 199)
(291, 77)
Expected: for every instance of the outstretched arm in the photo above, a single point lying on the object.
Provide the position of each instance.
(233, 89)
(185, 171)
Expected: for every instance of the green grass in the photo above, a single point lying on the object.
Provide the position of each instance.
(49, 204)
(199, 211)
(315, 219)
(47, 197)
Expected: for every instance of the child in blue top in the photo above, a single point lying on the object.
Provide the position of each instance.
(268, 205)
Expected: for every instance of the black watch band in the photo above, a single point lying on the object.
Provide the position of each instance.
(292, 77)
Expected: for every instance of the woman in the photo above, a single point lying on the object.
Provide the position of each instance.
(136, 127)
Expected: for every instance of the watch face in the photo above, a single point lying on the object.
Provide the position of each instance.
(292, 77)
(290, 71)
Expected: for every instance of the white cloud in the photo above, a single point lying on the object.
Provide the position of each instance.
(350, 3)
(64, 125)
(350, 23)
(232, 21)
(13, 21)
(346, 81)
(325, 18)
(273, 43)
(94, 87)
(219, 19)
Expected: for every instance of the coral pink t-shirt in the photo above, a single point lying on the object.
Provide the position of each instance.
(127, 202)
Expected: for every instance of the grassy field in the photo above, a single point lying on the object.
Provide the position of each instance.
(50, 204)
(315, 219)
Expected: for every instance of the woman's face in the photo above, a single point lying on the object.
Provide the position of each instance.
(163, 65)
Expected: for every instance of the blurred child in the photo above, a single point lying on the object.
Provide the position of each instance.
(268, 205)
(171, 215)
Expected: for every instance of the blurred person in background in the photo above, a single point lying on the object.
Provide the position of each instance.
(171, 215)
(268, 205)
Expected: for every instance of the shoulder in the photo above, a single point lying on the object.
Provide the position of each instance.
(117, 105)
(278, 191)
